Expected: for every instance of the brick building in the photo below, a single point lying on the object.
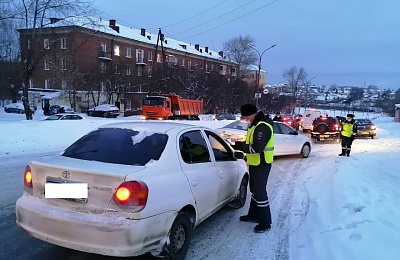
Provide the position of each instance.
(88, 63)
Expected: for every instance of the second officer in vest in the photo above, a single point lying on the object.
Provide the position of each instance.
(259, 149)
(348, 132)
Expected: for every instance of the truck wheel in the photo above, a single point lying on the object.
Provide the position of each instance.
(171, 118)
(373, 136)
(179, 237)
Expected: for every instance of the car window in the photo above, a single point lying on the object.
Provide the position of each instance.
(54, 117)
(285, 129)
(119, 146)
(193, 148)
(75, 117)
(276, 128)
(220, 148)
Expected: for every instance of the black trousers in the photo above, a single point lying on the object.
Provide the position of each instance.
(346, 144)
(259, 205)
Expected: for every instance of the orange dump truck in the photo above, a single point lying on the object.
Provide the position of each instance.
(163, 107)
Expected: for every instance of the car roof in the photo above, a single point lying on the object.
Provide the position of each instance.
(154, 126)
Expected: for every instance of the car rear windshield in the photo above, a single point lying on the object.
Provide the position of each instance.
(119, 146)
(327, 120)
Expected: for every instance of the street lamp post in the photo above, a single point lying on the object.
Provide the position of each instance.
(259, 69)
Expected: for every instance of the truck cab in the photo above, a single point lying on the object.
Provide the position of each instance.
(156, 108)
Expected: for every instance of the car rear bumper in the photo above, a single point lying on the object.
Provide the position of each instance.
(99, 234)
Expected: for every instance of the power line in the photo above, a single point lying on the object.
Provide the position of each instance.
(214, 18)
(195, 15)
(231, 20)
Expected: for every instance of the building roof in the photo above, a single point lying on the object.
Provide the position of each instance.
(253, 67)
(136, 34)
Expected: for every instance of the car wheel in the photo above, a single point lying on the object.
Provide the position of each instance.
(305, 150)
(179, 237)
(373, 136)
(105, 115)
(21, 111)
(242, 195)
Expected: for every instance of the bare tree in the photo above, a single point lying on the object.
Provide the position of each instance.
(238, 50)
(294, 78)
(33, 14)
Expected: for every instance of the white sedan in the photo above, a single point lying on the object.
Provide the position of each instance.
(287, 140)
(130, 188)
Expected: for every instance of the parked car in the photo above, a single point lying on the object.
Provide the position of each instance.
(105, 110)
(225, 116)
(325, 127)
(365, 128)
(55, 109)
(17, 108)
(287, 140)
(64, 116)
(149, 184)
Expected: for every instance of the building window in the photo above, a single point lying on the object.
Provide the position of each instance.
(183, 62)
(212, 67)
(222, 69)
(128, 70)
(31, 85)
(47, 84)
(63, 84)
(102, 67)
(158, 58)
(139, 56)
(233, 72)
(201, 65)
(29, 44)
(116, 50)
(116, 68)
(46, 44)
(128, 52)
(139, 71)
(46, 65)
(63, 43)
(189, 63)
(149, 72)
(128, 105)
(150, 56)
(102, 86)
(103, 47)
(63, 64)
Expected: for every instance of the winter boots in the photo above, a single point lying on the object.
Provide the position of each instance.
(343, 152)
(261, 228)
(248, 218)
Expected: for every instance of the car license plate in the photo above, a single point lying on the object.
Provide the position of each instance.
(324, 136)
(66, 191)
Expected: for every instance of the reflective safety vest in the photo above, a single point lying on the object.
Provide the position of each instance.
(254, 158)
(347, 129)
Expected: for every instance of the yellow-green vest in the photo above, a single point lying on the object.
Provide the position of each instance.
(347, 129)
(254, 158)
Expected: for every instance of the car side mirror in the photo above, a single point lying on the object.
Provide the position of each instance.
(239, 154)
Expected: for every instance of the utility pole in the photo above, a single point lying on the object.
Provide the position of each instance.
(259, 70)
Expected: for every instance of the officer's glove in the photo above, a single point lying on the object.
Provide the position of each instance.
(238, 146)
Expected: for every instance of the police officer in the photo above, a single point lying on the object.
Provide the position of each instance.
(348, 133)
(259, 149)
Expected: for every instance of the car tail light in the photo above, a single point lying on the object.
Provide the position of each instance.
(28, 185)
(131, 193)
(289, 122)
(312, 127)
(323, 118)
(336, 127)
(284, 118)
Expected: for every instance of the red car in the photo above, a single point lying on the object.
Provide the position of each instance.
(291, 120)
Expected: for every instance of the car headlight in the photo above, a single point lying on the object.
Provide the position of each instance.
(373, 127)
(143, 117)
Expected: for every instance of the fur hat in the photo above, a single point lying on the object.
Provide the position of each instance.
(248, 110)
(350, 115)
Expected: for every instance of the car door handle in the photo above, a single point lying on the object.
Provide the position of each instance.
(194, 183)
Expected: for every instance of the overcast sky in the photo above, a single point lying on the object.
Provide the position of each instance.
(343, 42)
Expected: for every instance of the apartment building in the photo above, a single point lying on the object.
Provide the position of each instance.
(84, 62)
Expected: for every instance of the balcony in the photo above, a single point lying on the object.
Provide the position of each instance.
(105, 55)
(140, 62)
